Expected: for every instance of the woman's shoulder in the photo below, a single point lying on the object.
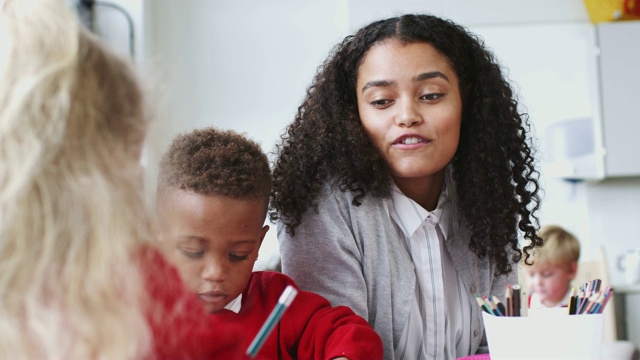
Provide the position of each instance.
(332, 194)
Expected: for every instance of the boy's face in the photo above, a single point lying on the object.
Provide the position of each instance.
(550, 281)
(213, 241)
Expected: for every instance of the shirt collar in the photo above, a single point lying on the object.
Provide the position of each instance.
(235, 304)
(407, 212)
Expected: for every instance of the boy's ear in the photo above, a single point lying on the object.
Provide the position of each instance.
(573, 269)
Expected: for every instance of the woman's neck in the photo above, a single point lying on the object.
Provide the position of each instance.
(424, 191)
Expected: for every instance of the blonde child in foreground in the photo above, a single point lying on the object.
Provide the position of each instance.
(79, 278)
(213, 193)
(554, 267)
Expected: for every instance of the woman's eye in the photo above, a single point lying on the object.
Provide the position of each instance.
(381, 103)
(235, 257)
(432, 96)
(192, 253)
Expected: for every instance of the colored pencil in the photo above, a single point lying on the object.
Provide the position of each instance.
(284, 301)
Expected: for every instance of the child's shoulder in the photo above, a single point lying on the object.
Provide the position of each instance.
(271, 280)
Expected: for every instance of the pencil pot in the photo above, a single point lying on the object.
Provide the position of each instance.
(545, 334)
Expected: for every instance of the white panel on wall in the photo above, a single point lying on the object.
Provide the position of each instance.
(553, 69)
(620, 76)
(585, 120)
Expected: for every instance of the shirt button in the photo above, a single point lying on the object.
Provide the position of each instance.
(473, 288)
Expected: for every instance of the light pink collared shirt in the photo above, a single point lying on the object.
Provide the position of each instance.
(439, 322)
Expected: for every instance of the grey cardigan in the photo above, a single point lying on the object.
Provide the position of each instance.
(356, 256)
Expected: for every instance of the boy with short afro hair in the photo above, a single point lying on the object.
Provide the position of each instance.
(212, 162)
(212, 200)
(554, 267)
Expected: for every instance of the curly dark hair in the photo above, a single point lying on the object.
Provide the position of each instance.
(209, 161)
(493, 168)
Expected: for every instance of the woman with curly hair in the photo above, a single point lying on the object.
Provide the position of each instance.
(79, 278)
(403, 183)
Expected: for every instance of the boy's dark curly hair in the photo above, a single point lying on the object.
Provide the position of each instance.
(213, 162)
(493, 167)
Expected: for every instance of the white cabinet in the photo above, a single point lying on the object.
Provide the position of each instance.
(619, 45)
(580, 84)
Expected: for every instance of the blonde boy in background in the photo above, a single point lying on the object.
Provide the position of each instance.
(554, 267)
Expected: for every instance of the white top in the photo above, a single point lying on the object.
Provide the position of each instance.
(235, 305)
(439, 323)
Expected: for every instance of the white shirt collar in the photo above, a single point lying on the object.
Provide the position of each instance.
(407, 209)
(235, 304)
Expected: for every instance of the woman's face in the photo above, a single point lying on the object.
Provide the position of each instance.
(410, 107)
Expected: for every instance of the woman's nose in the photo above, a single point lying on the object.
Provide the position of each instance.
(408, 114)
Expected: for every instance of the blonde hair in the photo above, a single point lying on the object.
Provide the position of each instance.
(559, 246)
(72, 209)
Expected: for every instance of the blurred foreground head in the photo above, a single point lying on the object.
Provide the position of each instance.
(72, 211)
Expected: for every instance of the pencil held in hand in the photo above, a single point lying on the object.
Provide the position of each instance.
(285, 300)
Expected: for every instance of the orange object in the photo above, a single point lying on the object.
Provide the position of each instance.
(612, 10)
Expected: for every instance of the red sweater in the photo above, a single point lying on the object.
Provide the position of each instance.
(309, 329)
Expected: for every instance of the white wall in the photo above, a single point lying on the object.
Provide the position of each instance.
(240, 64)
(471, 13)
(245, 65)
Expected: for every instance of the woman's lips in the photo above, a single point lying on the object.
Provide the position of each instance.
(410, 141)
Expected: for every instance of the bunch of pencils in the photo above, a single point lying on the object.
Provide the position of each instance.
(514, 306)
(591, 299)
